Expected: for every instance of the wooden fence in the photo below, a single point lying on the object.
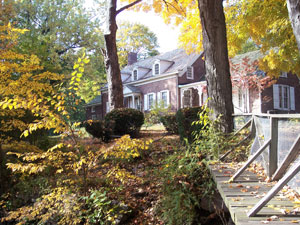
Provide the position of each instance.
(282, 172)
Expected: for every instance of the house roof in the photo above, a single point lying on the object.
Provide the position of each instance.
(253, 56)
(95, 101)
(133, 89)
(179, 58)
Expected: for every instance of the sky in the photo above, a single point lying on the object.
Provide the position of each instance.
(166, 34)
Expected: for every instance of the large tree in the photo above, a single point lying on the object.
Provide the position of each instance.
(114, 81)
(216, 61)
(294, 14)
(57, 30)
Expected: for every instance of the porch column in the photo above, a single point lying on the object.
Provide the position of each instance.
(133, 101)
(199, 88)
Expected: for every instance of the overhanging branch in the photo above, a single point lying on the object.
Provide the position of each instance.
(128, 6)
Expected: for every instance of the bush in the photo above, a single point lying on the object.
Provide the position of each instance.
(99, 129)
(185, 117)
(170, 123)
(186, 186)
(127, 121)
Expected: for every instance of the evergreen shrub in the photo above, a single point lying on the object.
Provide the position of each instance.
(99, 129)
(126, 120)
(185, 117)
(170, 123)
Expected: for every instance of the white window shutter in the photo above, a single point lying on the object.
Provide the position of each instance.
(276, 96)
(168, 97)
(145, 102)
(154, 99)
(292, 98)
(158, 97)
(107, 107)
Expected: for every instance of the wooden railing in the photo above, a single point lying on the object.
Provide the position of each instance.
(274, 171)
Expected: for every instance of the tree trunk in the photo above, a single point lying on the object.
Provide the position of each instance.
(114, 81)
(294, 14)
(216, 61)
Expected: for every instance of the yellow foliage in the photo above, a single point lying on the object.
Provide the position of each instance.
(60, 203)
(127, 148)
(268, 25)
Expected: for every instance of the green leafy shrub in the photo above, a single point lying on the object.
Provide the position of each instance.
(170, 123)
(99, 129)
(186, 183)
(100, 209)
(185, 118)
(214, 142)
(126, 120)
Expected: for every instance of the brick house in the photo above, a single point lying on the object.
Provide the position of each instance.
(281, 97)
(173, 79)
(177, 80)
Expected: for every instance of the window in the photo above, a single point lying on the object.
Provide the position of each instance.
(163, 98)
(283, 74)
(190, 72)
(240, 95)
(93, 109)
(283, 97)
(94, 117)
(135, 74)
(187, 98)
(156, 68)
(150, 101)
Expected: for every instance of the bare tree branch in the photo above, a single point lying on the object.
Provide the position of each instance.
(128, 6)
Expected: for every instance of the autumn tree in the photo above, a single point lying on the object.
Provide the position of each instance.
(135, 37)
(114, 81)
(216, 61)
(271, 31)
(294, 14)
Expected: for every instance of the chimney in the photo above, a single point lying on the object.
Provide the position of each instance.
(132, 58)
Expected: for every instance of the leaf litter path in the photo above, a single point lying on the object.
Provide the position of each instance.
(143, 195)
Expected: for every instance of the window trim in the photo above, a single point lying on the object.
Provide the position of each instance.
(93, 109)
(191, 72)
(283, 74)
(158, 68)
(133, 75)
(168, 97)
(94, 117)
(148, 100)
(279, 97)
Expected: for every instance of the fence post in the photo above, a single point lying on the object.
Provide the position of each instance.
(273, 153)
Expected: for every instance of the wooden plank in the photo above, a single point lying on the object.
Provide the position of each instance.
(239, 202)
(273, 154)
(232, 148)
(287, 177)
(243, 127)
(291, 157)
(250, 160)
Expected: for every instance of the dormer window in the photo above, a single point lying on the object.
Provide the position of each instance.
(190, 72)
(283, 74)
(156, 68)
(134, 75)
